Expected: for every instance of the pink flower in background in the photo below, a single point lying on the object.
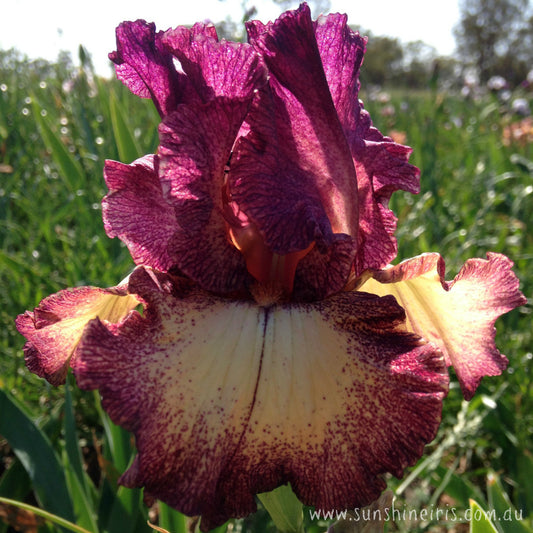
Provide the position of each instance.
(276, 344)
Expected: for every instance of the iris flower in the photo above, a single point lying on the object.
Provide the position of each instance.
(275, 343)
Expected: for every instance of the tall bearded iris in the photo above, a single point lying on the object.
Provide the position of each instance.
(275, 344)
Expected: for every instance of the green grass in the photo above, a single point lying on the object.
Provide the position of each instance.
(58, 125)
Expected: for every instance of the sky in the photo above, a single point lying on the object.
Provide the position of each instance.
(40, 28)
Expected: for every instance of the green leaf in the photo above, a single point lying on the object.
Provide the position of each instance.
(128, 148)
(507, 515)
(456, 486)
(284, 508)
(35, 452)
(83, 506)
(15, 482)
(524, 460)
(78, 481)
(125, 511)
(122, 509)
(71, 439)
(479, 522)
(70, 168)
(171, 519)
(118, 439)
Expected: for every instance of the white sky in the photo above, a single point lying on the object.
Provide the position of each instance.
(42, 28)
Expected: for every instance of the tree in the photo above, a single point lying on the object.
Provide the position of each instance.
(383, 59)
(494, 37)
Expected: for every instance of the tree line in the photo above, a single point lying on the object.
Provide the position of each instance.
(494, 38)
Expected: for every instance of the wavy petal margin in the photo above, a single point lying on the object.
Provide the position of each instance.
(457, 316)
(54, 329)
(196, 144)
(381, 165)
(136, 211)
(144, 65)
(304, 120)
(228, 399)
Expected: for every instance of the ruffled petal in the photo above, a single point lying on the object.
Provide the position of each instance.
(144, 65)
(381, 165)
(228, 399)
(54, 329)
(457, 316)
(274, 188)
(215, 68)
(304, 130)
(136, 211)
(196, 144)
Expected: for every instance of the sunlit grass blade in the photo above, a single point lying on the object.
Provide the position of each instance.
(126, 511)
(499, 501)
(479, 521)
(284, 508)
(35, 452)
(128, 147)
(70, 168)
(70, 526)
(171, 519)
(80, 485)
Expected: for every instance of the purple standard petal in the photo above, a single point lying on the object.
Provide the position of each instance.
(280, 199)
(305, 128)
(228, 399)
(146, 67)
(136, 211)
(381, 165)
(292, 174)
(215, 68)
(196, 144)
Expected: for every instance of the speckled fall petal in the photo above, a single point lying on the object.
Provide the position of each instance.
(54, 329)
(457, 316)
(228, 399)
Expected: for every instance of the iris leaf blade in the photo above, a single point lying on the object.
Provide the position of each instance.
(37, 455)
(284, 508)
(479, 521)
(499, 501)
(77, 478)
(171, 519)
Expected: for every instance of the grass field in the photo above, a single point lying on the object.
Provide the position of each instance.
(57, 128)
